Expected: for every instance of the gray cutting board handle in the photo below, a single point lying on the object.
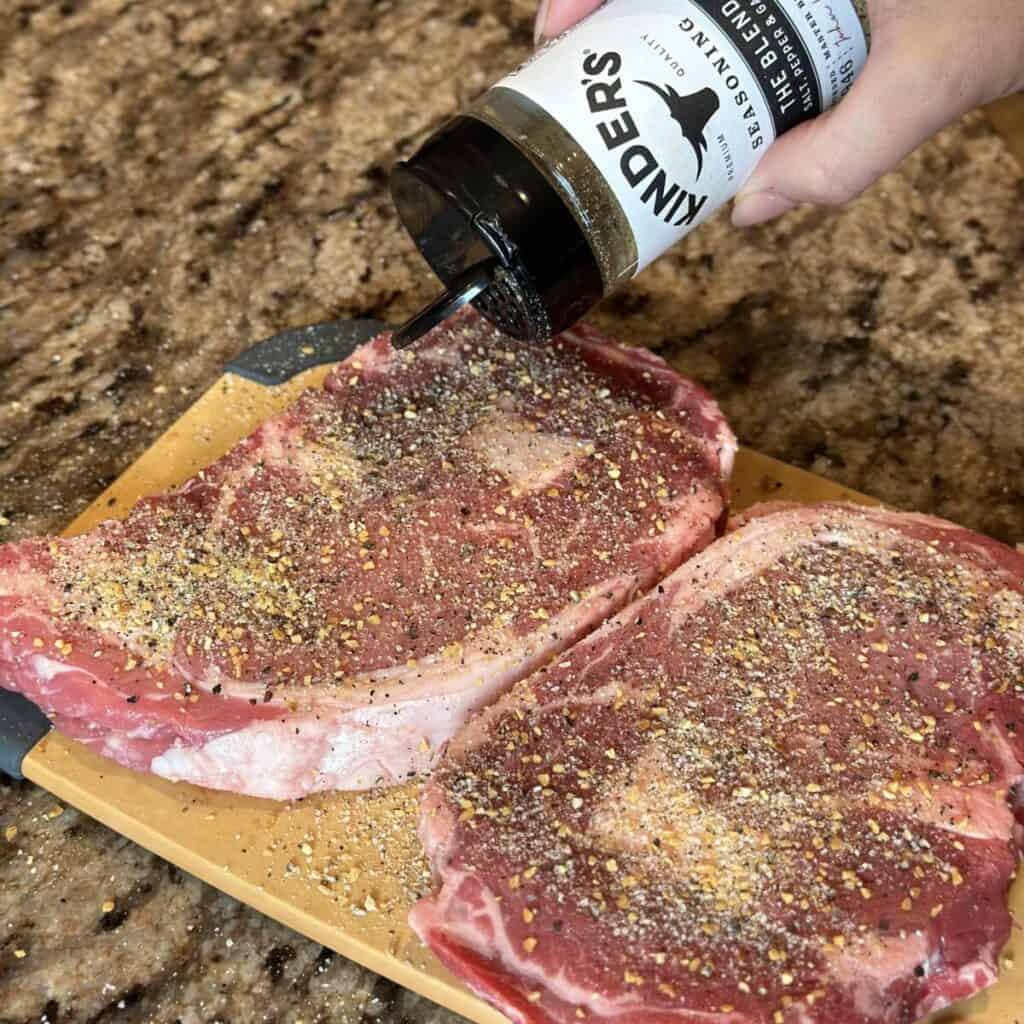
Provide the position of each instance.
(22, 726)
(284, 355)
(270, 362)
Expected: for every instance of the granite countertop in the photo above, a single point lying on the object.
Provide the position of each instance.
(179, 180)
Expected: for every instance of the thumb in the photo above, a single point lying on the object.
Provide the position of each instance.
(902, 97)
(555, 16)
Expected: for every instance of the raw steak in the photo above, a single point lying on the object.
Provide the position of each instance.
(323, 607)
(782, 788)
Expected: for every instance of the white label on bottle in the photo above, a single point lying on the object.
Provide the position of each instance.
(675, 101)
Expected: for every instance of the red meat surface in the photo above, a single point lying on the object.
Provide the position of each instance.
(783, 788)
(326, 604)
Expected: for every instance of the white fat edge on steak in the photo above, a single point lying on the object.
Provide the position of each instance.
(722, 444)
(52, 677)
(877, 962)
(442, 689)
(484, 932)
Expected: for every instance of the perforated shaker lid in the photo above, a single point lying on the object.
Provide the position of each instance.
(481, 212)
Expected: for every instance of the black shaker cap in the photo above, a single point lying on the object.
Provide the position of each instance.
(469, 197)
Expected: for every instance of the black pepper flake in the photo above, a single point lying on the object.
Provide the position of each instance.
(114, 919)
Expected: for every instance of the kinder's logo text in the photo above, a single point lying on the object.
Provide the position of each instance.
(668, 199)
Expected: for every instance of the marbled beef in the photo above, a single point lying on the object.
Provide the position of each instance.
(323, 606)
(781, 789)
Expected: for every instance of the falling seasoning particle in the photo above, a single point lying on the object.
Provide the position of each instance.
(107, 906)
(20, 954)
(10, 832)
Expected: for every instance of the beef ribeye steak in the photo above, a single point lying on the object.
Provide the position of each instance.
(782, 788)
(323, 606)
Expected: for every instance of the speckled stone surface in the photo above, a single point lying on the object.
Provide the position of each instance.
(179, 180)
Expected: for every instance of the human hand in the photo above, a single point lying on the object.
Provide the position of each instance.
(931, 61)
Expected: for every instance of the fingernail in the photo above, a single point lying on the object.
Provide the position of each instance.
(540, 23)
(753, 208)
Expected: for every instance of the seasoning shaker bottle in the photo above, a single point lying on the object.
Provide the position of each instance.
(610, 144)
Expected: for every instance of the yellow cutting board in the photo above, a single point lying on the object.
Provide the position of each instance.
(340, 868)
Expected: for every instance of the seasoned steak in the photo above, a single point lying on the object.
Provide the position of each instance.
(780, 789)
(325, 605)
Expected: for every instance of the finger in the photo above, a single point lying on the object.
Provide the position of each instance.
(556, 16)
(903, 96)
